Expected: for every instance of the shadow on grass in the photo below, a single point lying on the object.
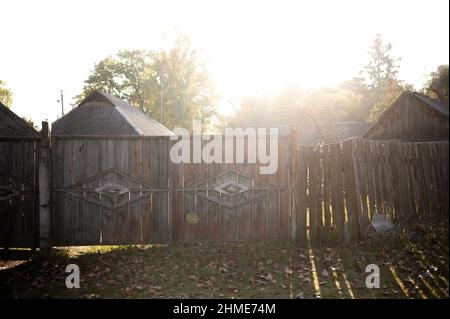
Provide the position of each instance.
(235, 270)
(16, 254)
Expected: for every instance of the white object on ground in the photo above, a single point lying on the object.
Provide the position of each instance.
(381, 224)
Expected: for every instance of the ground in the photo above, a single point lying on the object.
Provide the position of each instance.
(408, 269)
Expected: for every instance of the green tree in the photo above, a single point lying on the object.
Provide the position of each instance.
(6, 95)
(292, 106)
(382, 68)
(349, 101)
(380, 74)
(384, 98)
(30, 122)
(187, 90)
(126, 75)
(357, 104)
(253, 111)
(437, 84)
(174, 77)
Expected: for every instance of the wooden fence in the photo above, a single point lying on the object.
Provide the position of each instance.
(338, 187)
(127, 191)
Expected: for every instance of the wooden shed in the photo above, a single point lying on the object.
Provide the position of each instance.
(412, 117)
(109, 175)
(19, 146)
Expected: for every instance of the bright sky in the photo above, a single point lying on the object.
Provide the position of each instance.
(250, 46)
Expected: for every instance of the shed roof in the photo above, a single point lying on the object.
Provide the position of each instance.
(12, 125)
(437, 105)
(101, 114)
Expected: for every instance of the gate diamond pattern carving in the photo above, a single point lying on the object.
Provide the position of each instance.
(110, 189)
(230, 189)
(7, 193)
(11, 187)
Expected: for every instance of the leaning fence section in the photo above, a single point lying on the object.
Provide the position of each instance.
(339, 187)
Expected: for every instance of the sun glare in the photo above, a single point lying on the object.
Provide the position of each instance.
(250, 47)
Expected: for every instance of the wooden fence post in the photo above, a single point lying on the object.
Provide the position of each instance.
(44, 189)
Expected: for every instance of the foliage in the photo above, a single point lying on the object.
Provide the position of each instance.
(383, 98)
(126, 76)
(175, 77)
(337, 104)
(380, 74)
(437, 84)
(346, 102)
(188, 91)
(359, 99)
(30, 122)
(382, 68)
(6, 95)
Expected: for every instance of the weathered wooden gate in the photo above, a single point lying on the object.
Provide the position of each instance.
(19, 200)
(232, 201)
(109, 190)
(19, 193)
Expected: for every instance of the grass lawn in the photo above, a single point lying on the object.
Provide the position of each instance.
(235, 270)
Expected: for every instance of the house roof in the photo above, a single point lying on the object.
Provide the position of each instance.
(334, 132)
(436, 105)
(12, 125)
(101, 114)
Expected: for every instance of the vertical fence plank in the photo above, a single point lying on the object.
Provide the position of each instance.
(93, 211)
(361, 166)
(337, 198)
(326, 164)
(388, 181)
(443, 151)
(312, 194)
(351, 194)
(302, 193)
(367, 151)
